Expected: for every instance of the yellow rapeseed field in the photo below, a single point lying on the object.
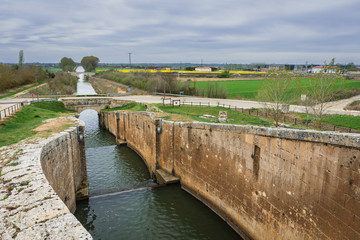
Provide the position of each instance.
(177, 71)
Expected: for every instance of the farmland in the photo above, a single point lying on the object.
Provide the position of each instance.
(247, 89)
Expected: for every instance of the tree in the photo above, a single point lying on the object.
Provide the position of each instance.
(168, 81)
(224, 74)
(351, 67)
(277, 91)
(90, 63)
(321, 91)
(21, 58)
(67, 64)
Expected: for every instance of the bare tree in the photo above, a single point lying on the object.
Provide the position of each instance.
(321, 91)
(169, 81)
(278, 90)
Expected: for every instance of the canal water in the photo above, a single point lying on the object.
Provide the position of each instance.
(83, 86)
(124, 202)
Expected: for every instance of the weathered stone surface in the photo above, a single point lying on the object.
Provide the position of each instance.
(30, 206)
(97, 103)
(267, 183)
(164, 177)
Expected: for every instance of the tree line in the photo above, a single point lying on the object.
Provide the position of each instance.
(12, 76)
(89, 63)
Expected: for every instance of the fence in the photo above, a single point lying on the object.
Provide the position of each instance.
(266, 113)
(11, 109)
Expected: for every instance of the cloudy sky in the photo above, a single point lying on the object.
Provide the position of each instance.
(174, 31)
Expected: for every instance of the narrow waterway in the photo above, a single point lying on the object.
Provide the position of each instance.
(126, 204)
(83, 86)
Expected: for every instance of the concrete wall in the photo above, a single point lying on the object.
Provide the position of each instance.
(266, 183)
(40, 181)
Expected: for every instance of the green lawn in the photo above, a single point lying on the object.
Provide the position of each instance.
(28, 118)
(343, 121)
(248, 89)
(195, 113)
(337, 120)
(134, 107)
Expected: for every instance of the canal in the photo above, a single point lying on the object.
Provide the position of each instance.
(125, 203)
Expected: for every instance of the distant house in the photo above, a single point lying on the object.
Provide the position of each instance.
(328, 69)
(274, 67)
(203, 69)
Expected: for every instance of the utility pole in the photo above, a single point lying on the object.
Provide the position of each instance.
(130, 61)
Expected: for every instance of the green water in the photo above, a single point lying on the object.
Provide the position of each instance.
(125, 204)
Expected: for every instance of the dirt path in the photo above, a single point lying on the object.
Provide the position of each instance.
(27, 90)
(341, 104)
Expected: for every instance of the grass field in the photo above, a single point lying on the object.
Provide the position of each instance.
(133, 107)
(53, 69)
(247, 89)
(28, 118)
(352, 122)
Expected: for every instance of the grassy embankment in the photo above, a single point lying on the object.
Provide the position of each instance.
(194, 113)
(23, 123)
(352, 122)
(62, 82)
(19, 89)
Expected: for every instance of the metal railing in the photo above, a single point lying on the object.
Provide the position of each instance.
(11, 109)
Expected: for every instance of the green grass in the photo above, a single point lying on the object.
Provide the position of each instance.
(53, 69)
(29, 117)
(248, 89)
(6, 95)
(195, 112)
(236, 89)
(135, 107)
(343, 121)
(234, 117)
(352, 122)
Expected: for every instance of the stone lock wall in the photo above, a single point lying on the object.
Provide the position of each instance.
(266, 183)
(40, 181)
(63, 161)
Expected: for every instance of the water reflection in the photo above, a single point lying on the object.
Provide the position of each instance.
(83, 86)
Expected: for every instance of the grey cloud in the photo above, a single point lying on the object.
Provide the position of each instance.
(166, 31)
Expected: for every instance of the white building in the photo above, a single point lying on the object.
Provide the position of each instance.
(327, 69)
(203, 69)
